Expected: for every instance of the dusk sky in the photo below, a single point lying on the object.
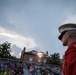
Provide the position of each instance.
(34, 24)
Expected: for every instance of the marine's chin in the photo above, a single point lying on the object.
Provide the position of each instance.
(64, 44)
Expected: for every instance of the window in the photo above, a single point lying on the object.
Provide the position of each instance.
(44, 60)
(30, 59)
(39, 60)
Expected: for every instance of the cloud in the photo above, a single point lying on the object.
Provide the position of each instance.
(70, 19)
(16, 51)
(18, 40)
(7, 33)
(12, 53)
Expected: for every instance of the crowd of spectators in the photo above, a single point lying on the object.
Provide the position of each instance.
(44, 70)
(11, 67)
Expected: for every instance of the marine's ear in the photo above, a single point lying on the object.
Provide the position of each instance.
(69, 34)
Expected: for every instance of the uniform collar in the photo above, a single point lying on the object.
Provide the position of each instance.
(74, 43)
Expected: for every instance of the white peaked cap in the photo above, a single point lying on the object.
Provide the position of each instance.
(66, 27)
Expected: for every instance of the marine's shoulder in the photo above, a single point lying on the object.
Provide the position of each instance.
(71, 49)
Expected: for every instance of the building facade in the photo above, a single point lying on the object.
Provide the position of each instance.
(33, 57)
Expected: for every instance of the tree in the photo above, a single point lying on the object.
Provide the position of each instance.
(48, 60)
(5, 50)
(55, 59)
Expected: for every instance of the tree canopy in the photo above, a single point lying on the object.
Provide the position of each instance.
(5, 51)
(54, 59)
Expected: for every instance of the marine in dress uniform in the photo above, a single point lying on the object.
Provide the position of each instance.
(68, 38)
